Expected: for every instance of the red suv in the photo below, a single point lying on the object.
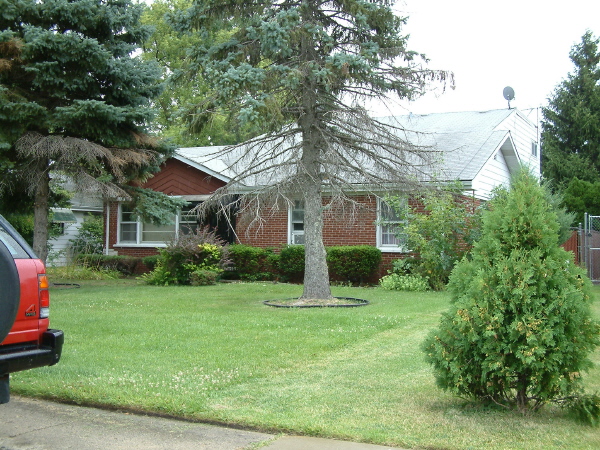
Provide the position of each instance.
(26, 341)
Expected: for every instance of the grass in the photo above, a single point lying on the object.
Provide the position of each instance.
(216, 353)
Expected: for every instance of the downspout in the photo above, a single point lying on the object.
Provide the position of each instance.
(107, 232)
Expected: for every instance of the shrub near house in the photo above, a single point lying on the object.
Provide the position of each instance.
(355, 264)
(441, 227)
(197, 258)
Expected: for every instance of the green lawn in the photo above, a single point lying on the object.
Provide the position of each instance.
(216, 353)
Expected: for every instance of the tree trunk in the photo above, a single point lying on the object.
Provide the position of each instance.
(316, 274)
(40, 214)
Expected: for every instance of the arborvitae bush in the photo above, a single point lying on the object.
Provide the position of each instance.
(519, 330)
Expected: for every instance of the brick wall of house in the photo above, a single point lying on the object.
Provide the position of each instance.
(141, 252)
(342, 225)
(178, 178)
(174, 178)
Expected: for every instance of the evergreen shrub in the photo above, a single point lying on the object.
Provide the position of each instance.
(519, 330)
(345, 263)
(356, 264)
(150, 261)
(291, 263)
(253, 263)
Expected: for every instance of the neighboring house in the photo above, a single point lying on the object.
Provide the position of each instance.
(67, 222)
(481, 150)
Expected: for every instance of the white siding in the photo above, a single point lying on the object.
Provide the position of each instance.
(494, 173)
(524, 132)
(59, 254)
(60, 247)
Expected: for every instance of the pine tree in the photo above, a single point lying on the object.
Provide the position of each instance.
(73, 97)
(571, 124)
(298, 72)
(519, 331)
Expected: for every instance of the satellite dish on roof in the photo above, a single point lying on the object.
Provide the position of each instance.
(509, 94)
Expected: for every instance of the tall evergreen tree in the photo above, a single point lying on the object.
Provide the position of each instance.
(297, 71)
(571, 124)
(73, 97)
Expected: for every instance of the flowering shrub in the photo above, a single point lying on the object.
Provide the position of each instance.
(187, 260)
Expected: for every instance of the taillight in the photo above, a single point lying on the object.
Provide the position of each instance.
(44, 296)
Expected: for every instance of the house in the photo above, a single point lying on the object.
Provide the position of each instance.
(67, 221)
(480, 149)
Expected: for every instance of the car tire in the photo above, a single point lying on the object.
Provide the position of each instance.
(10, 291)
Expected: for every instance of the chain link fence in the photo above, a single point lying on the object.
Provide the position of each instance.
(591, 246)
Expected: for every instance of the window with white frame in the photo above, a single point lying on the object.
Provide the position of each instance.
(296, 223)
(133, 231)
(390, 225)
(128, 225)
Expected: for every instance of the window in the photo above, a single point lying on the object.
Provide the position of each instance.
(296, 223)
(188, 221)
(61, 219)
(128, 224)
(157, 233)
(389, 227)
(534, 148)
(134, 231)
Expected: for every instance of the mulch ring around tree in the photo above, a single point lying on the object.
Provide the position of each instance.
(334, 302)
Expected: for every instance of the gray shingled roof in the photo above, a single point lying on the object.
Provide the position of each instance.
(467, 139)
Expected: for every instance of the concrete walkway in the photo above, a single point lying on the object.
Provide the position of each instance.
(29, 424)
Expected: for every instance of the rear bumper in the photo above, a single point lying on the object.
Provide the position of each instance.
(14, 358)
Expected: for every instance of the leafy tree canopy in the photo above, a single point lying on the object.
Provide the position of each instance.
(177, 106)
(582, 196)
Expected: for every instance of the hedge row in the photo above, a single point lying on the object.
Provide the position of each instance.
(354, 264)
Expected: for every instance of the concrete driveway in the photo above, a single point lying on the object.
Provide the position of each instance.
(30, 424)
